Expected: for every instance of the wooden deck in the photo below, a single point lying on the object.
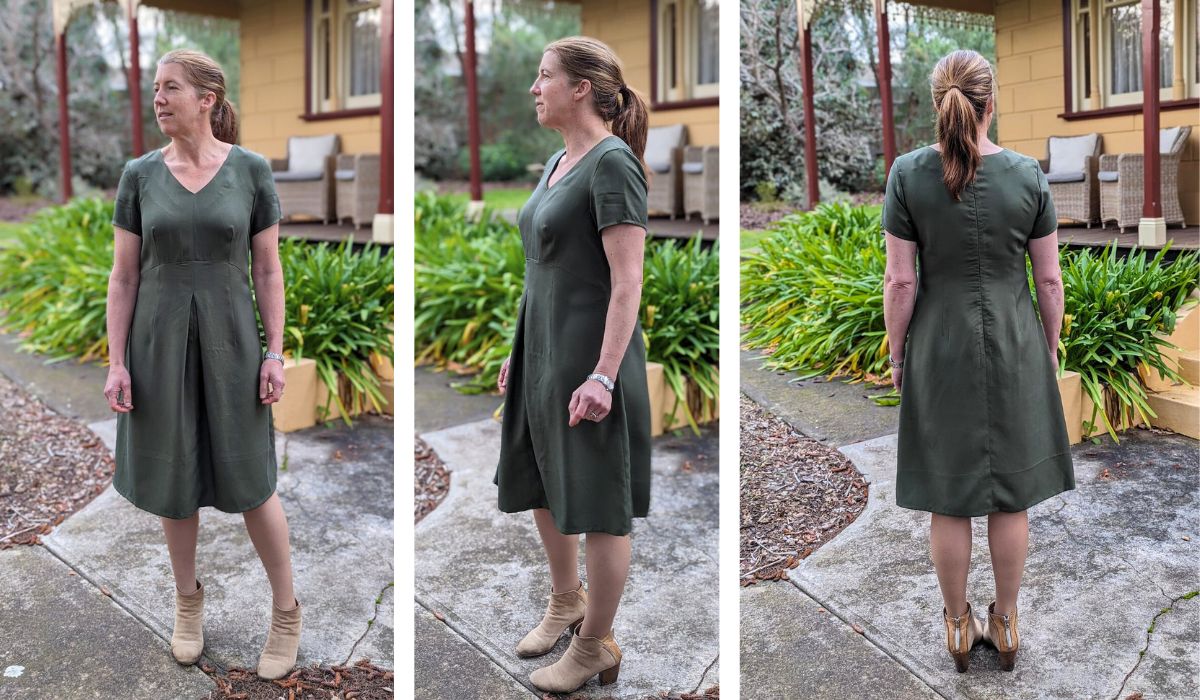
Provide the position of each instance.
(333, 233)
(1079, 236)
(682, 228)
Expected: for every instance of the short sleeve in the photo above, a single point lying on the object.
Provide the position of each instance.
(127, 212)
(1046, 221)
(619, 190)
(896, 219)
(265, 211)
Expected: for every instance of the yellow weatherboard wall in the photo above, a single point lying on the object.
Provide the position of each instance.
(1029, 66)
(272, 99)
(625, 26)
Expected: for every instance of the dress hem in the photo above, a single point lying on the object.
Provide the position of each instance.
(197, 509)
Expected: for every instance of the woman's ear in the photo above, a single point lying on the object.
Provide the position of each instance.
(583, 89)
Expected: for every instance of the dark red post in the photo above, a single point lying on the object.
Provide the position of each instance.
(810, 119)
(1151, 18)
(135, 82)
(387, 109)
(472, 107)
(64, 126)
(885, 85)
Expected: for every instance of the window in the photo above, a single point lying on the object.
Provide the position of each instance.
(345, 55)
(1106, 40)
(684, 55)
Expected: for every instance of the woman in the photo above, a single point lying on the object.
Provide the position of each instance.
(575, 444)
(981, 423)
(181, 326)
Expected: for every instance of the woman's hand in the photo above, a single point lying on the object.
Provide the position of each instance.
(897, 377)
(118, 389)
(270, 382)
(590, 401)
(1054, 362)
(502, 380)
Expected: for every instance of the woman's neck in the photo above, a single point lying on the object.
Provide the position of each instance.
(195, 148)
(580, 139)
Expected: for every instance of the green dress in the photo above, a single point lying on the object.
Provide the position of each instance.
(594, 477)
(198, 434)
(981, 421)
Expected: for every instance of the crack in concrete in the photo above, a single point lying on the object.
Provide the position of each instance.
(704, 675)
(452, 626)
(370, 623)
(1149, 636)
(1116, 553)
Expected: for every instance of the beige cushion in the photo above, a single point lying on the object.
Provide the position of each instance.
(1068, 153)
(307, 153)
(1167, 139)
(661, 141)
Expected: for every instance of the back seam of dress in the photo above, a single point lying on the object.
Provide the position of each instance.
(983, 350)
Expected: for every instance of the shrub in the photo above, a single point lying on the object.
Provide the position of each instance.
(498, 162)
(469, 280)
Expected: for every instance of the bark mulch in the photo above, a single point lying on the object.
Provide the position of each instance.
(432, 480)
(50, 467)
(20, 208)
(362, 681)
(759, 215)
(796, 495)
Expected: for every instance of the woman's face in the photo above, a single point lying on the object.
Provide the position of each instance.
(178, 108)
(554, 95)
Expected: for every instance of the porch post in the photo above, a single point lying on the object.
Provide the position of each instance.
(64, 127)
(387, 109)
(1152, 229)
(135, 79)
(810, 114)
(885, 85)
(473, 108)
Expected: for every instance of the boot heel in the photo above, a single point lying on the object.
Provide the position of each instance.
(961, 662)
(574, 626)
(1008, 659)
(609, 675)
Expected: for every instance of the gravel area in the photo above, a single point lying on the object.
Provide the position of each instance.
(50, 467)
(796, 495)
(432, 480)
(362, 681)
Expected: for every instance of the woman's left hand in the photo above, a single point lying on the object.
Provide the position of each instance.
(589, 402)
(270, 381)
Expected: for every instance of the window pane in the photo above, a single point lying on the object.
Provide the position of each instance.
(324, 64)
(1166, 43)
(1085, 53)
(1125, 31)
(669, 47)
(707, 72)
(362, 34)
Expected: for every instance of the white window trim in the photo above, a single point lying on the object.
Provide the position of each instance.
(339, 49)
(686, 54)
(1185, 10)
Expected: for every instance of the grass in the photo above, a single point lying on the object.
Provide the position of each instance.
(9, 231)
(500, 198)
(751, 239)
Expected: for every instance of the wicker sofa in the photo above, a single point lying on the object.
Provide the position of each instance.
(1123, 184)
(701, 182)
(357, 189)
(1071, 165)
(664, 153)
(304, 180)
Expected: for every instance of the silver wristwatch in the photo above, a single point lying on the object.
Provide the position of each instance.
(894, 363)
(604, 381)
(273, 356)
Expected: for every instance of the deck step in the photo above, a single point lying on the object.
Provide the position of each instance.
(1177, 409)
(1189, 366)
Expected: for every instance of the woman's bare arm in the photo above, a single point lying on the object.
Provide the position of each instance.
(268, 285)
(624, 246)
(1048, 285)
(122, 297)
(899, 292)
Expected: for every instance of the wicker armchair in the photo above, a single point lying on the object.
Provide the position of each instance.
(701, 181)
(304, 180)
(664, 152)
(1070, 165)
(357, 186)
(1123, 184)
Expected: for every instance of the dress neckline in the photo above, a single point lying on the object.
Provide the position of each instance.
(162, 159)
(582, 158)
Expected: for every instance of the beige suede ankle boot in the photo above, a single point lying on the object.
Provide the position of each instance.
(586, 657)
(283, 643)
(564, 610)
(1002, 633)
(961, 634)
(187, 639)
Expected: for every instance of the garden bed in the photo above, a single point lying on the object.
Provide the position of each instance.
(796, 494)
(362, 681)
(432, 480)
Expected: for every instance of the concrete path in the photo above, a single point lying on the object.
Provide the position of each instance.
(336, 488)
(485, 573)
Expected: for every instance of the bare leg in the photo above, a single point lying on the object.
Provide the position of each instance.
(562, 553)
(181, 544)
(607, 568)
(268, 529)
(1008, 540)
(950, 545)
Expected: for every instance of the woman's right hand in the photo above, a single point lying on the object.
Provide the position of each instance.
(502, 380)
(118, 390)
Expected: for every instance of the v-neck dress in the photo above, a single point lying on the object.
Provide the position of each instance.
(981, 421)
(198, 434)
(594, 477)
